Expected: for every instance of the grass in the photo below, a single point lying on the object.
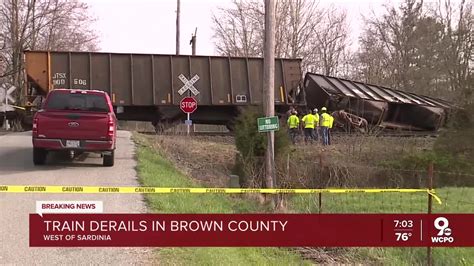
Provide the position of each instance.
(454, 200)
(155, 170)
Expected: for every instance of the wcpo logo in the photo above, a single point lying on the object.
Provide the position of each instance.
(444, 232)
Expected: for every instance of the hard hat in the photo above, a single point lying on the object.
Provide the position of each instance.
(315, 110)
(323, 109)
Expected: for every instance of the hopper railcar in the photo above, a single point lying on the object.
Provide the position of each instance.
(149, 87)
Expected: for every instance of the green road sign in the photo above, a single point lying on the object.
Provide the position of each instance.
(266, 124)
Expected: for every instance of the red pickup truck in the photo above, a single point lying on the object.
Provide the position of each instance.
(75, 120)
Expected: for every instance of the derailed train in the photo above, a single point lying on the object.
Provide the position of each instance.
(379, 106)
(149, 87)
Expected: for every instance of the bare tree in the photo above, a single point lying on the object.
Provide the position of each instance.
(371, 65)
(298, 32)
(65, 25)
(458, 41)
(330, 41)
(41, 24)
(237, 32)
(416, 49)
(302, 30)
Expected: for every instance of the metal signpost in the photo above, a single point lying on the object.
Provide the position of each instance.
(188, 105)
(267, 124)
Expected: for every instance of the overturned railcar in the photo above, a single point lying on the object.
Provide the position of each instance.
(380, 106)
(149, 87)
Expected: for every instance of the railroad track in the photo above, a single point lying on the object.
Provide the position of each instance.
(389, 134)
(335, 134)
(204, 134)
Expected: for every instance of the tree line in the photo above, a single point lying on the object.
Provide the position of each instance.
(417, 46)
(425, 48)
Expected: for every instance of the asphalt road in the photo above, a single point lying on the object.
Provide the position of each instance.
(16, 168)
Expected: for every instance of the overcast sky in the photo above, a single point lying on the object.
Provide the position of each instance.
(148, 26)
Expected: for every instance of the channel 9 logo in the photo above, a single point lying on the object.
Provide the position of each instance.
(444, 232)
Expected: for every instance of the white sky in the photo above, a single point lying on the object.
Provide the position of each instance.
(148, 26)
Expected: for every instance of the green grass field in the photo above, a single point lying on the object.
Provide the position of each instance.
(154, 170)
(454, 200)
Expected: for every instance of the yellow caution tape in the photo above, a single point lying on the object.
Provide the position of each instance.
(162, 190)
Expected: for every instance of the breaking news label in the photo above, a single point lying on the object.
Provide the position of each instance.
(240, 230)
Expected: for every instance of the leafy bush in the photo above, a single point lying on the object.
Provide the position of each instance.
(252, 145)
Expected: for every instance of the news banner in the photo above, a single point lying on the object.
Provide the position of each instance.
(84, 224)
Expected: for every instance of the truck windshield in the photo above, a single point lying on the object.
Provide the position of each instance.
(77, 101)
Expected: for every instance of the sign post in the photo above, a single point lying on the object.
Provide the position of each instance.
(5, 111)
(188, 105)
(267, 124)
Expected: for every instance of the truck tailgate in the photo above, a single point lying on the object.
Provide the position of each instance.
(73, 126)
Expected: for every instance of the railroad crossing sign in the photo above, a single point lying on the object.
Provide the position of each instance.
(266, 124)
(5, 97)
(188, 105)
(188, 84)
(6, 92)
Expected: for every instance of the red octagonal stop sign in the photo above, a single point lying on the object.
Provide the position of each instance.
(188, 104)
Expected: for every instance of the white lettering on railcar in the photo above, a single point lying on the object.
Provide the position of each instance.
(80, 82)
(59, 79)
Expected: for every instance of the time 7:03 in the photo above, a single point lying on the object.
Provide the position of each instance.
(403, 223)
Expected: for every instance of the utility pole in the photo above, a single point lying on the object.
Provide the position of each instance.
(193, 42)
(5, 121)
(268, 89)
(178, 11)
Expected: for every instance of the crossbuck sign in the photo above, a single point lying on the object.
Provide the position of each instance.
(5, 97)
(188, 84)
(7, 93)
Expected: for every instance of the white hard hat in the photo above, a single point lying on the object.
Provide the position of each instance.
(315, 110)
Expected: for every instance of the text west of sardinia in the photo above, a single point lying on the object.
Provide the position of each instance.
(171, 226)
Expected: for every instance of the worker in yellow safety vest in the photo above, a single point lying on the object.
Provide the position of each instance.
(325, 122)
(293, 125)
(309, 124)
(316, 124)
(331, 122)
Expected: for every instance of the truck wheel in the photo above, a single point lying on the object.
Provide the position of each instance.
(108, 159)
(39, 156)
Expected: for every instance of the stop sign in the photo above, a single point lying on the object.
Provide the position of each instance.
(188, 104)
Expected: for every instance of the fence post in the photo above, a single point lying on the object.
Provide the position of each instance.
(430, 206)
(281, 197)
(320, 196)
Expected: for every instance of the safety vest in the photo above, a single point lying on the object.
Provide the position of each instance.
(293, 121)
(316, 120)
(325, 120)
(308, 121)
(331, 121)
